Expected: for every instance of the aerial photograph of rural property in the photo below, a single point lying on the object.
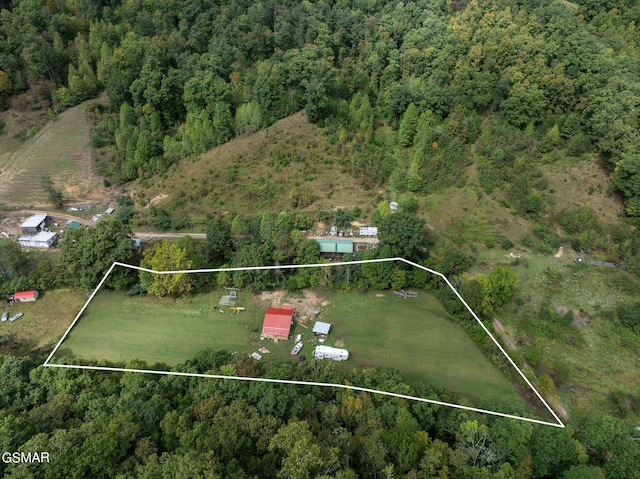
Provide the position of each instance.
(334, 239)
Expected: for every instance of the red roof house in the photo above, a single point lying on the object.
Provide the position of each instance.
(277, 322)
(25, 296)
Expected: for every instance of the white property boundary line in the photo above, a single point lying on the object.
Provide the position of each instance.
(47, 363)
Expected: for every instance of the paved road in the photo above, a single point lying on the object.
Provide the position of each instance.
(140, 234)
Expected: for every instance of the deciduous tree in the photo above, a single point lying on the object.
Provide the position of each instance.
(166, 256)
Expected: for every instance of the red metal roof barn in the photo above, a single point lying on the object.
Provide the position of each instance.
(277, 323)
(25, 296)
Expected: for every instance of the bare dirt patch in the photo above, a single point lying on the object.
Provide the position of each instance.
(559, 253)
(157, 199)
(304, 305)
(272, 297)
(379, 295)
(497, 325)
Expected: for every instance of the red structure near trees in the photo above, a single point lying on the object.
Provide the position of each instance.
(277, 322)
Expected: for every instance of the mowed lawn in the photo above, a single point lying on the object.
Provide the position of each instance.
(120, 328)
(414, 336)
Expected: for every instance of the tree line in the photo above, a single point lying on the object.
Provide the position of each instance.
(102, 424)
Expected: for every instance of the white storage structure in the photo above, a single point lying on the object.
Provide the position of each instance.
(368, 231)
(327, 352)
(44, 239)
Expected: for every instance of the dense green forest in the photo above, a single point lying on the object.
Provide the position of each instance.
(134, 425)
(181, 76)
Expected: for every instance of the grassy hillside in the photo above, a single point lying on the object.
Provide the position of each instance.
(289, 161)
(19, 126)
(593, 360)
(60, 150)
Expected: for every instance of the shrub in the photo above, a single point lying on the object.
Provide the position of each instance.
(568, 317)
(507, 244)
(96, 140)
(527, 240)
(629, 316)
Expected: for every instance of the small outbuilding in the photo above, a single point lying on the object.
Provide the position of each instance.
(33, 225)
(25, 296)
(277, 323)
(321, 328)
(44, 239)
(72, 225)
(333, 246)
(368, 231)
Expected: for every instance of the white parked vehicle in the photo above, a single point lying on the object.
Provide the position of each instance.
(5, 315)
(15, 316)
(296, 349)
(327, 352)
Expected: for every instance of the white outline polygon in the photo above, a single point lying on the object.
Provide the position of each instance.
(560, 424)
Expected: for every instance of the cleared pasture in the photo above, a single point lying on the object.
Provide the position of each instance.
(60, 150)
(413, 336)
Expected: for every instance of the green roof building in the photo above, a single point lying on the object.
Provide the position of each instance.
(74, 224)
(341, 246)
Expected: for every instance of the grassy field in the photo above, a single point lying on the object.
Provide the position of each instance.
(259, 171)
(413, 336)
(61, 150)
(19, 127)
(590, 358)
(43, 322)
(416, 337)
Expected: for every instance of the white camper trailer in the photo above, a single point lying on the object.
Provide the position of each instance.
(326, 352)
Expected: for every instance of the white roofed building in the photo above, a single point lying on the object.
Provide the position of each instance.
(43, 239)
(33, 225)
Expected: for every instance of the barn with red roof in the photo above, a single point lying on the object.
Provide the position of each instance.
(277, 322)
(25, 296)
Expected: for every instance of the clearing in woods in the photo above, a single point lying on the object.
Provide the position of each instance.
(60, 150)
(414, 336)
(290, 164)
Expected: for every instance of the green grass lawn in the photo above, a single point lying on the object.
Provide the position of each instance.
(379, 329)
(416, 337)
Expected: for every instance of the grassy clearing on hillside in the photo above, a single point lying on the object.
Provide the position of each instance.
(478, 218)
(578, 183)
(19, 126)
(60, 150)
(379, 329)
(43, 322)
(594, 356)
(262, 172)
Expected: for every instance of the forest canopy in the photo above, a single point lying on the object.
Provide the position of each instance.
(181, 77)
